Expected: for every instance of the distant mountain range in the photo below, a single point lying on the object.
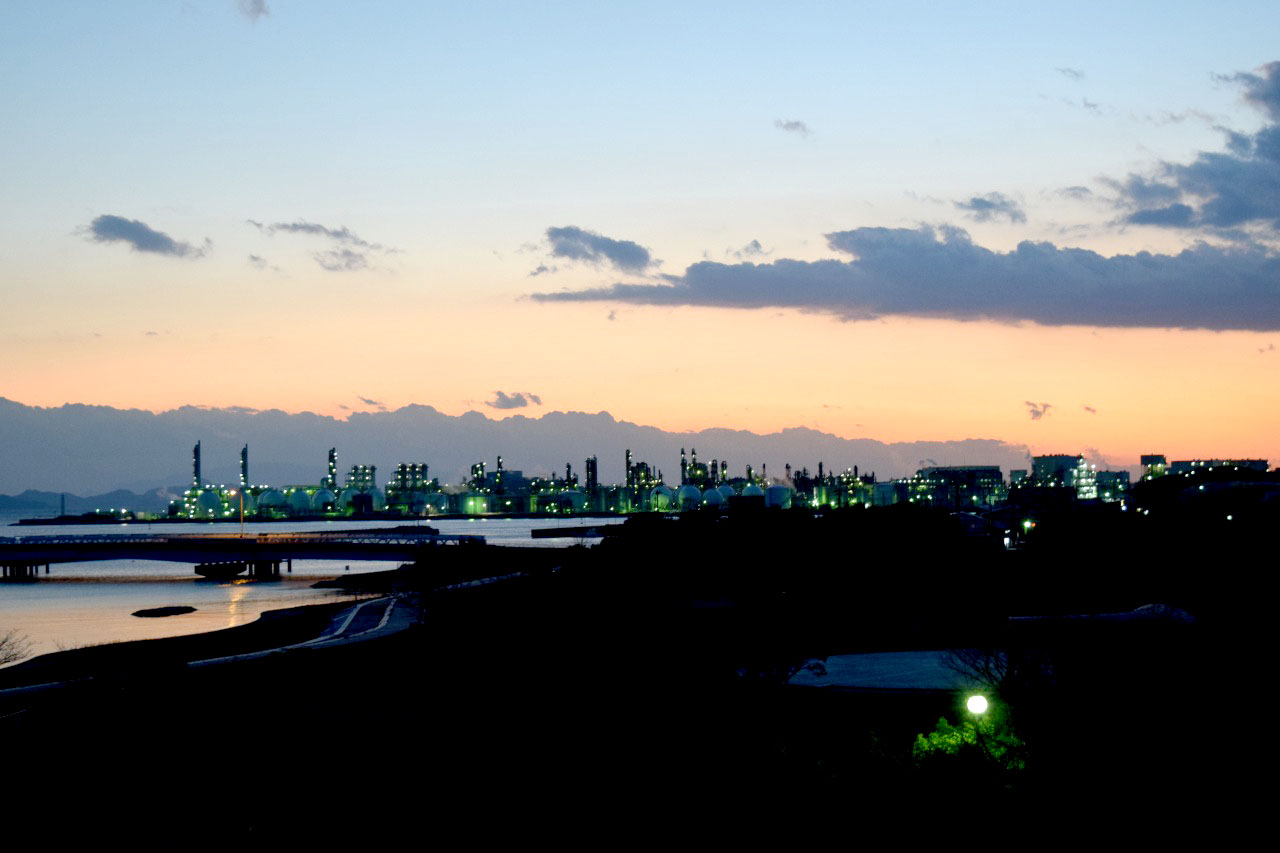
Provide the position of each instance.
(96, 449)
(39, 504)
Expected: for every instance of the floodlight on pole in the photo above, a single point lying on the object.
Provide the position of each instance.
(977, 704)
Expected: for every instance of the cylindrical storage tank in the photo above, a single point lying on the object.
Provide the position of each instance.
(379, 502)
(572, 501)
(436, 502)
(689, 497)
(778, 496)
(661, 498)
(473, 503)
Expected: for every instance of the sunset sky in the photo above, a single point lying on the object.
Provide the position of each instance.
(897, 221)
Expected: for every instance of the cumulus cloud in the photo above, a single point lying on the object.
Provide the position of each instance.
(578, 244)
(514, 400)
(253, 9)
(929, 272)
(792, 126)
(992, 206)
(141, 237)
(1218, 190)
(1037, 410)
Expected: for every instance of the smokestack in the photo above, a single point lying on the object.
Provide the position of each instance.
(195, 466)
(244, 467)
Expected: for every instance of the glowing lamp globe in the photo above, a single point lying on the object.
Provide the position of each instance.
(977, 704)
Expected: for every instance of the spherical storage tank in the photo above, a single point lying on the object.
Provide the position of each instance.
(713, 498)
(661, 498)
(299, 501)
(778, 496)
(323, 500)
(752, 491)
(209, 503)
(726, 492)
(689, 497)
(233, 501)
(271, 499)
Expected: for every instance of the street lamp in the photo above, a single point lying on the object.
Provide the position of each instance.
(976, 704)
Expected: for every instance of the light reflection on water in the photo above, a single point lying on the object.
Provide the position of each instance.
(79, 604)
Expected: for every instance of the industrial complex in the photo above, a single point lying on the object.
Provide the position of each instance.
(411, 491)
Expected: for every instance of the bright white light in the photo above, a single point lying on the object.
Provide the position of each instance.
(977, 704)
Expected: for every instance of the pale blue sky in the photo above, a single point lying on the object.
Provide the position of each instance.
(453, 137)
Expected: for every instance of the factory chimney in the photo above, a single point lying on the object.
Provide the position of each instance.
(195, 466)
(244, 467)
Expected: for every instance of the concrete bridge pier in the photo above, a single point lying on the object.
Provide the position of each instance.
(21, 571)
(265, 569)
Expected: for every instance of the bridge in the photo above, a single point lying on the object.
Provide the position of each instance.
(261, 555)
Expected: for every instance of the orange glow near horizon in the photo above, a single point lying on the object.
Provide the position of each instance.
(1182, 393)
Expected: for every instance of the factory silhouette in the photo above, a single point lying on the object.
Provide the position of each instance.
(1053, 480)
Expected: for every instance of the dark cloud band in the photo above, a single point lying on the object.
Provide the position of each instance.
(942, 273)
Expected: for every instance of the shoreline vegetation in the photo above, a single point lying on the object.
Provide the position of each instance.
(647, 675)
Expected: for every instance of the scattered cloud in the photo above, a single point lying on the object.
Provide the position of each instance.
(1076, 192)
(940, 272)
(368, 402)
(751, 250)
(1073, 73)
(342, 260)
(253, 9)
(349, 253)
(1091, 410)
(992, 206)
(151, 334)
(109, 228)
(514, 400)
(338, 235)
(1268, 348)
(793, 126)
(260, 263)
(1037, 410)
(572, 243)
(542, 269)
(1220, 191)
(613, 315)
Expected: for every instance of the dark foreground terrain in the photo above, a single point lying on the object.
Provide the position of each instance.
(638, 690)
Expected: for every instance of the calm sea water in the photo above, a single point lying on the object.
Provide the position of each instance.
(79, 604)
